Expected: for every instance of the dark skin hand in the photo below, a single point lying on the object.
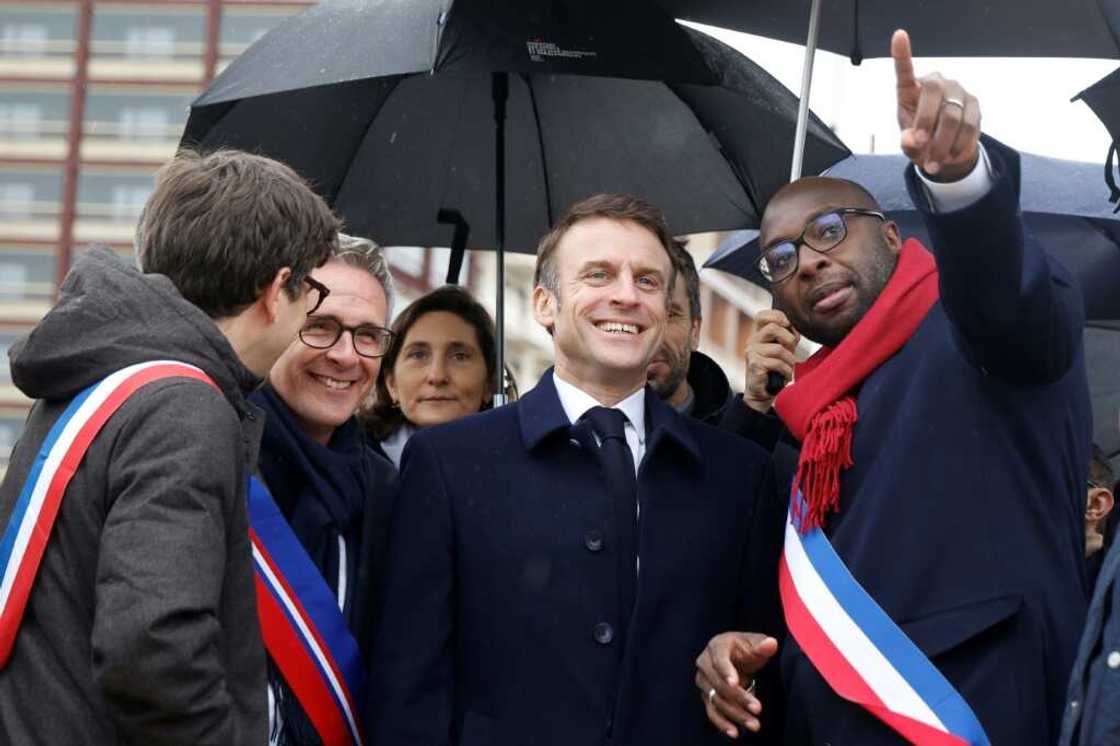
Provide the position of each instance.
(939, 120)
(770, 349)
(727, 665)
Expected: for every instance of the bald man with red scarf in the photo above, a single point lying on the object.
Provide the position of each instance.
(943, 433)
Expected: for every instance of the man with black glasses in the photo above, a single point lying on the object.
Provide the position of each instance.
(931, 574)
(317, 479)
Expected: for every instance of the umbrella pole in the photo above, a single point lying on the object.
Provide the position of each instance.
(806, 85)
(500, 92)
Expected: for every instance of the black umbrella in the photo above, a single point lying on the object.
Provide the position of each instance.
(398, 109)
(945, 28)
(939, 28)
(1066, 213)
(1103, 97)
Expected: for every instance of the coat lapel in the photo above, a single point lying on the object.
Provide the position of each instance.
(540, 413)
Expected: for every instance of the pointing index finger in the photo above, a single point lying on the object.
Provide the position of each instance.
(903, 61)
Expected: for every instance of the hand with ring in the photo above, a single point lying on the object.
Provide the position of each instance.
(725, 676)
(939, 120)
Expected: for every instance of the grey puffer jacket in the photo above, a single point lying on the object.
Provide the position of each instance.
(141, 627)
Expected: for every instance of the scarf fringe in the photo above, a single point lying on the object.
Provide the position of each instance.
(826, 451)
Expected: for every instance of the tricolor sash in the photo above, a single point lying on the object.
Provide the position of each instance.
(29, 527)
(861, 652)
(303, 629)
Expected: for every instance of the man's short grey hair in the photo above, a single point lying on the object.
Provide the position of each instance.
(363, 253)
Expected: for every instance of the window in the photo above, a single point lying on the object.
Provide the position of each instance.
(128, 201)
(117, 196)
(132, 115)
(24, 39)
(149, 41)
(11, 427)
(28, 30)
(7, 339)
(26, 275)
(143, 123)
(29, 194)
(151, 32)
(20, 119)
(28, 114)
(16, 200)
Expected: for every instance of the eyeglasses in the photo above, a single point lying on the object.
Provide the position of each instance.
(823, 234)
(323, 332)
(322, 290)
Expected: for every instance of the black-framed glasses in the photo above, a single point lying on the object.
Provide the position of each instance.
(823, 233)
(322, 290)
(323, 332)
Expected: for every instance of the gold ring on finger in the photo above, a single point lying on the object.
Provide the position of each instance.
(711, 696)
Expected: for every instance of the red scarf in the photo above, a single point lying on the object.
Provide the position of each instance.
(820, 408)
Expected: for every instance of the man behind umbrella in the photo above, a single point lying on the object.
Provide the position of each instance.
(537, 591)
(931, 576)
(141, 625)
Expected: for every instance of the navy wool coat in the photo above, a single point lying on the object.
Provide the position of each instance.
(962, 513)
(501, 574)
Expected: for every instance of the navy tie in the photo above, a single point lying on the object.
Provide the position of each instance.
(622, 487)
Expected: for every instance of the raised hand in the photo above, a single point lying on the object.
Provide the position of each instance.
(770, 349)
(939, 120)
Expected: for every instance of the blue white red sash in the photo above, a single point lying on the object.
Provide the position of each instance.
(29, 527)
(303, 629)
(861, 652)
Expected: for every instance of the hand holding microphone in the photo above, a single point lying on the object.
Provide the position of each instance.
(770, 359)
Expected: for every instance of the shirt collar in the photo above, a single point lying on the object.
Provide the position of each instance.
(576, 402)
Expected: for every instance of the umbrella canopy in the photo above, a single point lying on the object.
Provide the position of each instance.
(945, 28)
(1061, 204)
(387, 108)
(1103, 97)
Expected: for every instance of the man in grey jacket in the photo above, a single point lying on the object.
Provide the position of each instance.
(141, 625)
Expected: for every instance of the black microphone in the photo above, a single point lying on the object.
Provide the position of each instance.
(775, 382)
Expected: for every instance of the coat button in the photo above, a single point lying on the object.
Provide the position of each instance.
(593, 540)
(603, 633)
(575, 443)
(1114, 659)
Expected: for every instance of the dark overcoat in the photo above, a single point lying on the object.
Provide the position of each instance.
(499, 620)
(962, 514)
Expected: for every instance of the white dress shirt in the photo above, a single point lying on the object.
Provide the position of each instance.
(956, 195)
(576, 402)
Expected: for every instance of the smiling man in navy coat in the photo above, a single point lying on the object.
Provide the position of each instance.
(536, 591)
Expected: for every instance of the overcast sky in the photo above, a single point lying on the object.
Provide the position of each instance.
(1023, 102)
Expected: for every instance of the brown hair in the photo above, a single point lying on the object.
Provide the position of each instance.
(383, 418)
(221, 225)
(613, 207)
(686, 270)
